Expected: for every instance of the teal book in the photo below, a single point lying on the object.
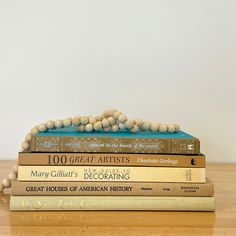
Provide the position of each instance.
(70, 140)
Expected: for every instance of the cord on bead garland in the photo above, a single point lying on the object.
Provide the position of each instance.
(111, 120)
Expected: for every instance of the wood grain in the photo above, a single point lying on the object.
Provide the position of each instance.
(222, 222)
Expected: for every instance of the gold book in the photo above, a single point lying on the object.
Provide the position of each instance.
(86, 203)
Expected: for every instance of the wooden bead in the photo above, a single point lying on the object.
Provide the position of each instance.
(99, 118)
(111, 120)
(107, 129)
(122, 118)
(28, 138)
(146, 125)
(12, 175)
(154, 126)
(163, 128)
(138, 122)
(25, 145)
(6, 183)
(67, 122)
(92, 120)
(171, 128)
(105, 123)
(42, 127)
(15, 168)
(121, 126)
(58, 123)
(34, 130)
(50, 124)
(117, 114)
(97, 125)
(109, 112)
(84, 120)
(1, 187)
(75, 120)
(135, 129)
(115, 128)
(177, 128)
(81, 128)
(129, 124)
(88, 128)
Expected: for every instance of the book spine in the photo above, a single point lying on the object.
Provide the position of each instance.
(40, 203)
(115, 145)
(111, 159)
(110, 173)
(111, 188)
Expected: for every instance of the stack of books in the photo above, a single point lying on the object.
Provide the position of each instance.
(69, 170)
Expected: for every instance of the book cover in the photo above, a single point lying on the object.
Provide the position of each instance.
(111, 173)
(70, 140)
(112, 159)
(112, 188)
(60, 203)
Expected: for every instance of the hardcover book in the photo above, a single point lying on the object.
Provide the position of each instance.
(111, 173)
(112, 188)
(111, 159)
(60, 203)
(70, 140)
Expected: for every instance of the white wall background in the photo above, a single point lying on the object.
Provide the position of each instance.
(171, 61)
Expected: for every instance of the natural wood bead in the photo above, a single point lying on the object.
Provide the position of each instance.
(42, 127)
(88, 128)
(177, 127)
(105, 123)
(75, 120)
(99, 118)
(50, 124)
(107, 129)
(92, 120)
(28, 138)
(15, 168)
(135, 129)
(67, 122)
(58, 123)
(81, 128)
(121, 126)
(109, 112)
(129, 124)
(115, 128)
(34, 130)
(138, 122)
(171, 128)
(117, 114)
(111, 120)
(6, 183)
(12, 175)
(25, 145)
(1, 187)
(163, 128)
(97, 125)
(154, 126)
(122, 118)
(146, 125)
(84, 120)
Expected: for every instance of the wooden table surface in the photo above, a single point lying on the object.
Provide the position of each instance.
(221, 222)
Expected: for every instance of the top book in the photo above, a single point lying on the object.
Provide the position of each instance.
(70, 140)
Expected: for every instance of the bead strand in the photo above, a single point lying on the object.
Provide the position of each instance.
(110, 120)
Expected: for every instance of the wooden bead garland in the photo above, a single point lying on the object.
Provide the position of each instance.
(111, 120)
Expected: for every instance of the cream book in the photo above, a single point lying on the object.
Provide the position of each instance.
(111, 173)
(60, 203)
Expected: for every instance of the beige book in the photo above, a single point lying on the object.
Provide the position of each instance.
(111, 173)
